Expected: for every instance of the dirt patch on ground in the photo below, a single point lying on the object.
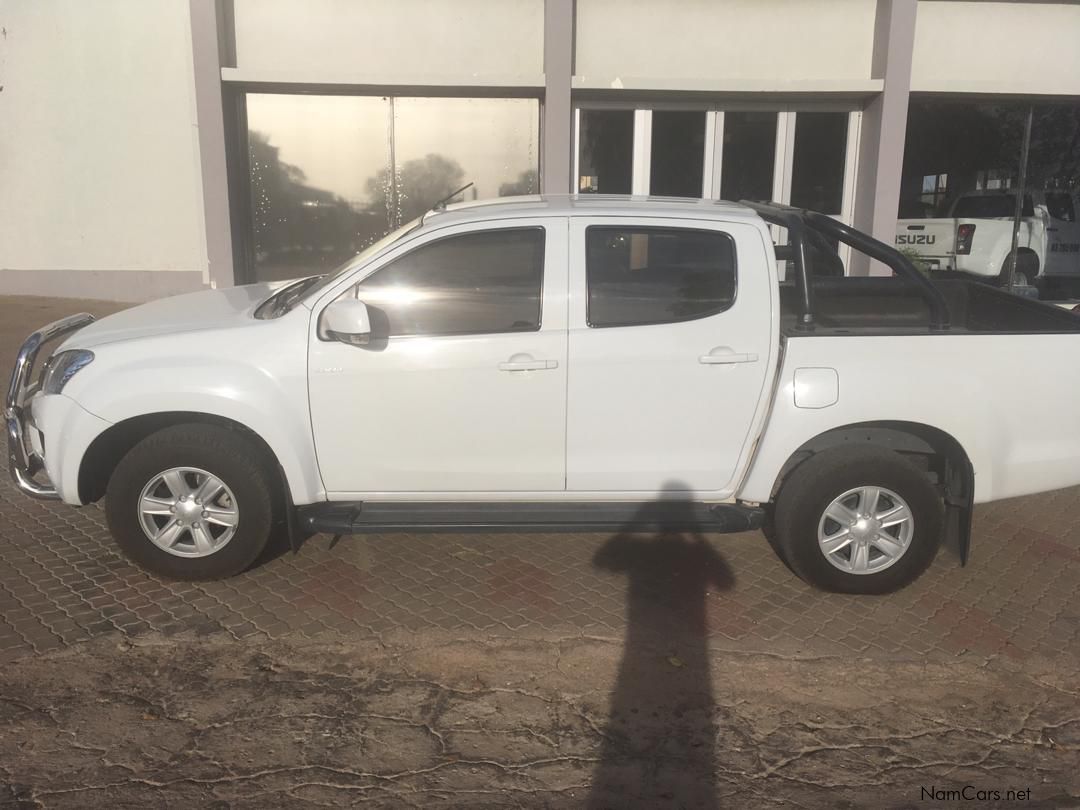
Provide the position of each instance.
(437, 721)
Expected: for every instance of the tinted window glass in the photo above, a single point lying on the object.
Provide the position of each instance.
(749, 155)
(475, 283)
(817, 175)
(678, 153)
(607, 151)
(991, 205)
(657, 275)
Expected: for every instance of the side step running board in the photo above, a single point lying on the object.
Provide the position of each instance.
(356, 517)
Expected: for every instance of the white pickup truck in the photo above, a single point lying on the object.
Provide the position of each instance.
(596, 363)
(975, 237)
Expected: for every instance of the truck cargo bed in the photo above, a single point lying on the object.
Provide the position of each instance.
(886, 305)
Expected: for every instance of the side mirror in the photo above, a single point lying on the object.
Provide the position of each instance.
(346, 321)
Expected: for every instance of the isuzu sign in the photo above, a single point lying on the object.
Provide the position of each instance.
(916, 239)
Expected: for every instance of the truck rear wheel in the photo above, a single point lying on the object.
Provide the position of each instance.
(858, 520)
(191, 502)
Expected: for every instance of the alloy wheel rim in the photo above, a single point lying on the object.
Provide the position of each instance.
(188, 512)
(865, 530)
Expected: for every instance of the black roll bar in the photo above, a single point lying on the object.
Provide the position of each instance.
(796, 220)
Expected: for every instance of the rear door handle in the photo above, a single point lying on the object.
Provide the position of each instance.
(727, 358)
(528, 365)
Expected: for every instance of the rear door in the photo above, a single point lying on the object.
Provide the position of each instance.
(670, 345)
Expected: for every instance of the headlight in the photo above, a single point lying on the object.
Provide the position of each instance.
(62, 367)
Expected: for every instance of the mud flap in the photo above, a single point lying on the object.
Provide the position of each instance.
(960, 506)
(292, 526)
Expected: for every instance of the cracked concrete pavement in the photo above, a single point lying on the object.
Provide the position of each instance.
(430, 720)
(532, 670)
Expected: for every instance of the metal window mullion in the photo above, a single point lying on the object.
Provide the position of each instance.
(642, 154)
(851, 167)
(575, 181)
(785, 156)
(714, 154)
(783, 161)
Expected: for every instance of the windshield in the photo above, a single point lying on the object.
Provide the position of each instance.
(290, 295)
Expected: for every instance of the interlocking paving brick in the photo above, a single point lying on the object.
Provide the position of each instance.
(64, 582)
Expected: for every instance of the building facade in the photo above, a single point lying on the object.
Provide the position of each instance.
(149, 147)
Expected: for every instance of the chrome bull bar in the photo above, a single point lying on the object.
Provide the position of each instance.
(24, 463)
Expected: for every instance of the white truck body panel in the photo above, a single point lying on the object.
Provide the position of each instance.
(199, 353)
(1021, 438)
(934, 239)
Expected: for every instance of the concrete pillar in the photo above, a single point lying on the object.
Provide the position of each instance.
(884, 128)
(206, 52)
(557, 126)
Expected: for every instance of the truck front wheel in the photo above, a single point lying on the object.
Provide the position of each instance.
(858, 520)
(191, 502)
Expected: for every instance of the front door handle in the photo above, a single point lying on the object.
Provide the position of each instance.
(528, 365)
(716, 358)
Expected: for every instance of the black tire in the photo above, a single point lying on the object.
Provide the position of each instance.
(226, 454)
(1027, 269)
(808, 491)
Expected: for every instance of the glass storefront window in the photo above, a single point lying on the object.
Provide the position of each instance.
(605, 162)
(678, 153)
(749, 156)
(309, 157)
(817, 174)
(440, 144)
(977, 147)
(329, 175)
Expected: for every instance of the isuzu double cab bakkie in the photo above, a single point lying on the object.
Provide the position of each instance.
(976, 238)
(550, 362)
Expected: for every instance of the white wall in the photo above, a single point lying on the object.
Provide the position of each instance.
(764, 44)
(373, 41)
(99, 164)
(982, 47)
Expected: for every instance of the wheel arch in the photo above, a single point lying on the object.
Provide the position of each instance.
(106, 450)
(940, 454)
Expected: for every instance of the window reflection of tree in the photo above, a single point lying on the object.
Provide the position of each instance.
(300, 229)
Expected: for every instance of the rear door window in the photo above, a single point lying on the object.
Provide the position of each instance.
(642, 275)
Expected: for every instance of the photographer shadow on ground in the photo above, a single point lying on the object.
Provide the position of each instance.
(659, 739)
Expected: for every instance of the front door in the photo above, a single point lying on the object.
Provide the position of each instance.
(671, 340)
(462, 390)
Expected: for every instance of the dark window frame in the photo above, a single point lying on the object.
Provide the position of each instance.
(354, 289)
(667, 229)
